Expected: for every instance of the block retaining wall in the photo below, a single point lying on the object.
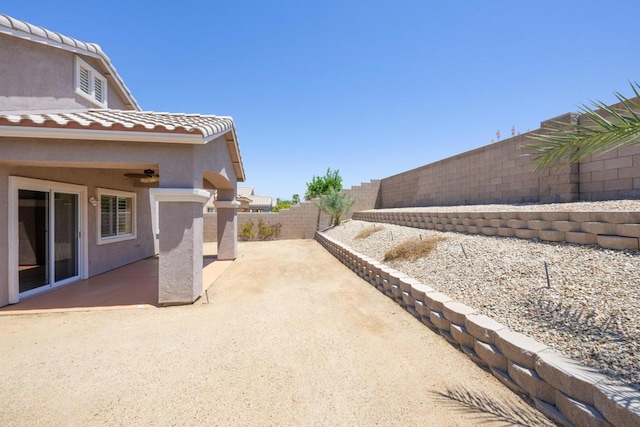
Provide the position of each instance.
(612, 230)
(561, 388)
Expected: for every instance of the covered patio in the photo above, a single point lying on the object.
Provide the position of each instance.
(79, 206)
(131, 286)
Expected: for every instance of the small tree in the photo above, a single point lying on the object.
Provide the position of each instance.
(320, 185)
(335, 204)
(295, 199)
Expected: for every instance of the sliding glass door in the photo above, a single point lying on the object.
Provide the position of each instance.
(48, 234)
(33, 254)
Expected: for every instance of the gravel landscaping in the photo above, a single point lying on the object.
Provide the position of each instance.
(589, 309)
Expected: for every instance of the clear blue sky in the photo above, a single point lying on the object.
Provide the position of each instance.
(370, 88)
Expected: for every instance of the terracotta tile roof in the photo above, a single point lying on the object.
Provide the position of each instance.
(245, 191)
(24, 30)
(106, 124)
(261, 202)
(122, 120)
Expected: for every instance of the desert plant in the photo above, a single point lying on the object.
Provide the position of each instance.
(366, 232)
(414, 249)
(246, 231)
(268, 231)
(609, 128)
(335, 204)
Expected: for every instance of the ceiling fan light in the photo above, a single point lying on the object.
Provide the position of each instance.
(149, 179)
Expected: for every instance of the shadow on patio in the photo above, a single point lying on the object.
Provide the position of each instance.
(134, 284)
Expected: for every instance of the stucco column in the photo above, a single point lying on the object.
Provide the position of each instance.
(181, 233)
(227, 217)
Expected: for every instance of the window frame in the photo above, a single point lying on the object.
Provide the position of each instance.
(93, 76)
(118, 237)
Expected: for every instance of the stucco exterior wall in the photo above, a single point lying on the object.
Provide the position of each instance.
(4, 238)
(34, 76)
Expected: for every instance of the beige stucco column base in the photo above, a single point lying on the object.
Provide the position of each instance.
(227, 213)
(180, 225)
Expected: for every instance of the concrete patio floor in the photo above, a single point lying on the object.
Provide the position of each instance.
(135, 284)
(290, 337)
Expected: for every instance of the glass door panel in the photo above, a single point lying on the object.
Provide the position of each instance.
(65, 244)
(33, 239)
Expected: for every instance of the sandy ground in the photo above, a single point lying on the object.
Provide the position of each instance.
(290, 337)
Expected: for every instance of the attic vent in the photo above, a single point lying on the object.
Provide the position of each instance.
(90, 84)
(84, 80)
(97, 85)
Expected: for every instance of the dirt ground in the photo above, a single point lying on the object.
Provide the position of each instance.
(290, 337)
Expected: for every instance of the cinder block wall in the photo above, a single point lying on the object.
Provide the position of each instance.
(503, 173)
(303, 220)
(612, 175)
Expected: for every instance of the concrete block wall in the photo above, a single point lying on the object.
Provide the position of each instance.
(496, 173)
(302, 220)
(504, 173)
(612, 230)
(611, 175)
(563, 389)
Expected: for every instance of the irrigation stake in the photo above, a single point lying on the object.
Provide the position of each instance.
(546, 271)
(206, 292)
(463, 251)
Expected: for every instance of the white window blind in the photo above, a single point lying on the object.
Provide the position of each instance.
(117, 216)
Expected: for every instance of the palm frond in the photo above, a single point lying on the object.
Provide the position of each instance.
(605, 128)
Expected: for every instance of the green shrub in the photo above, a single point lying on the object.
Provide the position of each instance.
(246, 232)
(268, 231)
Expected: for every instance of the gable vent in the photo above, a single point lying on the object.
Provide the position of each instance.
(98, 90)
(84, 80)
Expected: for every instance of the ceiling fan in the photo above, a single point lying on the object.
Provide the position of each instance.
(149, 176)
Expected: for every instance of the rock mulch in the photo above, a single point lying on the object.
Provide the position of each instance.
(589, 308)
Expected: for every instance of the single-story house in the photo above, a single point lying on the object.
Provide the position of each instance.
(89, 182)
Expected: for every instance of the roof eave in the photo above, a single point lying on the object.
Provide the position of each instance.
(234, 152)
(99, 135)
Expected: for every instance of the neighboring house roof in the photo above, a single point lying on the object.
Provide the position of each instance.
(261, 202)
(125, 125)
(24, 30)
(245, 191)
(256, 201)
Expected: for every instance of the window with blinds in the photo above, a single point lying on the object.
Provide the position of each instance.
(90, 84)
(117, 216)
